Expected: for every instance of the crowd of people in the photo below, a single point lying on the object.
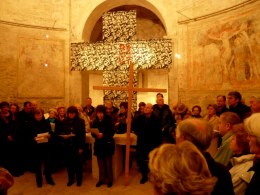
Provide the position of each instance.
(178, 150)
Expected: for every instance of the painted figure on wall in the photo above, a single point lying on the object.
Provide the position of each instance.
(226, 53)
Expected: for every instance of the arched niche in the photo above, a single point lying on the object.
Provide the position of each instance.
(106, 6)
(149, 26)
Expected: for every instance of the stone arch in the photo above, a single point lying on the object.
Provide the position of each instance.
(93, 25)
(96, 14)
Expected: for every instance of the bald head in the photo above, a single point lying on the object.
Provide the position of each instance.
(197, 131)
(148, 109)
(34, 105)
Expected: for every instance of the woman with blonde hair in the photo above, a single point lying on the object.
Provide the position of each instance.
(241, 161)
(180, 169)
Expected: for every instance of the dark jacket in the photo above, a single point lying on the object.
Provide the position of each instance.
(25, 122)
(165, 115)
(74, 126)
(224, 109)
(149, 134)
(136, 115)
(42, 126)
(7, 128)
(89, 111)
(40, 150)
(167, 121)
(242, 110)
(56, 129)
(104, 146)
(253, 187)
(224, 184)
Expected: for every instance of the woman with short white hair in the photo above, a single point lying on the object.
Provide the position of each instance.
(252, 126)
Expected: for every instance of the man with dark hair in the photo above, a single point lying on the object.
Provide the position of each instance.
(200, 133)
(235, 105)
(221, 103)
(163, 112)
(159, 95)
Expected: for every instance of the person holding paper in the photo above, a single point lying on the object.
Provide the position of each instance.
(57, 157)
(104, 145)
(74, 135)
(41, 131)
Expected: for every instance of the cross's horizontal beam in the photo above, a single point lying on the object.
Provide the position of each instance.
(129, 89)
(145, 54)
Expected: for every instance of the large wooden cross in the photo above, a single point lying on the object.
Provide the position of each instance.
(130, 89)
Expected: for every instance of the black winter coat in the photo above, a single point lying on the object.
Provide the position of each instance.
(40, 150)
(242, 110)
(104, 146)
(253, 187)
(74, 126)
(149, 134)
(224, 185)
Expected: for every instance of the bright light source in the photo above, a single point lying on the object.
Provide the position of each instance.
(47, 36)
(46, 65)
(177, 55)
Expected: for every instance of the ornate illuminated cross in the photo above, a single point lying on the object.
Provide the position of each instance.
(120, 57)
(119, 29)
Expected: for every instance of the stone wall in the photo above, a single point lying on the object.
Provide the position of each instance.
(34, 58)
(196, 78)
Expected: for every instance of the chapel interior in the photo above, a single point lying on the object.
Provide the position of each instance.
(36, 38)
(206, 35)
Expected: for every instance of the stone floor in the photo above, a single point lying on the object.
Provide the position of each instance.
(26, 184)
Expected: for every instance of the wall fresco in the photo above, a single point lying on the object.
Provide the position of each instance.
(225, 54)
(39, 73)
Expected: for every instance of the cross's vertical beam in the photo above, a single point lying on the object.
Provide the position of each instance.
(129, 114)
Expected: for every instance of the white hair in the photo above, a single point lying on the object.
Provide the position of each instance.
(252, 125)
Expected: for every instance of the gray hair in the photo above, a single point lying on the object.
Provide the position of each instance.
(197, 131)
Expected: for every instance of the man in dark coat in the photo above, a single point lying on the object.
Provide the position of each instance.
(163, 112)
(200, 133)
(221, 103)
(236, 106)
(149, 136)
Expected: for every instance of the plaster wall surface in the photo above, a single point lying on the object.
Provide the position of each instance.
(24, 25)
